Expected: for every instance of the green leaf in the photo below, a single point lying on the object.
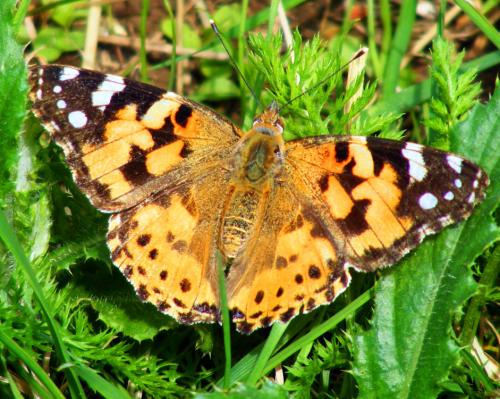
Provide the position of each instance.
(65, 14)
(225, 15)
(267, 391)
(13, 89)
(51, 42)
(215, 89)
(409, 348)
(116, 302)
(190, 39)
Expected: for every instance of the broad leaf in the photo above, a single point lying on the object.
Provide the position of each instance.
(13, 90)
(409, 348)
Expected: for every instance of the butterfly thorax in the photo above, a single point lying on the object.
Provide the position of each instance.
(258, 160)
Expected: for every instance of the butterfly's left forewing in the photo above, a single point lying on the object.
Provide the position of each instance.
(380, 198)
(125, 140)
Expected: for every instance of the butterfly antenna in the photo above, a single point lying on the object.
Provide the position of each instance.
(219, 36)
(360, 53)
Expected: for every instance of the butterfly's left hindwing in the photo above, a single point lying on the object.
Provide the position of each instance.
(122, 139)
(379, 197)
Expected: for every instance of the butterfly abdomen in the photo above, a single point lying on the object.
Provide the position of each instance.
(241, 213)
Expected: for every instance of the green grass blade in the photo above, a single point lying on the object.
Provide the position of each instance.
(372, 45)
(21, 12)
(398, 46)
(480, 21)
(100, 385)
(474, 311)
(317, 331)
(173, 69)
(270, 345)
(386, 17)
(479, 373)
(9, 238)
(26, 358)
(142, 33)
(226, 326)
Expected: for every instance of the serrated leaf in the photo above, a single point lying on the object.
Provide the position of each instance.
(116, 302)
(438, 107)
(437, 124)
(409, 348)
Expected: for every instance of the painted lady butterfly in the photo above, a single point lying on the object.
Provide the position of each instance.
(183, 182)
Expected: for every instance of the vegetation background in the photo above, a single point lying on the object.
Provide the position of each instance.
(70, 324)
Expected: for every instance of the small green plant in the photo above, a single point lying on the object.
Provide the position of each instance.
(454, 92)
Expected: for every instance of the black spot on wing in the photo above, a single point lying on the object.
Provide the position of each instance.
(355, 222)
(259, 297)
(135, 170)
(164, 135)
(183, 114)
(142, 94)
(341, 151)
(385, 151)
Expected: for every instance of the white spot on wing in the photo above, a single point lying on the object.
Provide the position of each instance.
(449, 196)
(57, 89)
(68, 73)
(77, 119)
(455, 163)
(111, 84)
(39, 94)
(61, 104)
(475, 184)
(471, 198)
(417, 164)
(427, 201)
(458, 183)
(171, 94)
(414, 147)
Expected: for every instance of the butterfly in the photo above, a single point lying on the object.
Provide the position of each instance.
(182, 182)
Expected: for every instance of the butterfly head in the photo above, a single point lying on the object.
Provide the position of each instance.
(269, 122)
